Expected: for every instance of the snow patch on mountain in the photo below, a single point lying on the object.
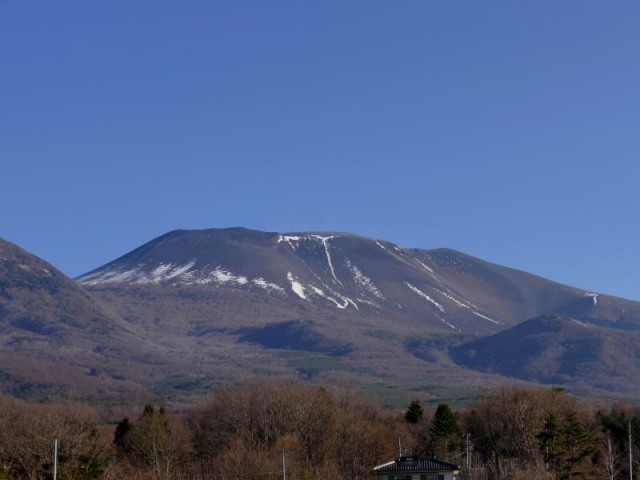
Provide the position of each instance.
(224, 276)
(160, 270)
(449, 324)
(425, 296)
(594, 297)
(345, 302)
(268, 286)
(325, 243)
(179, 271)
(342, 304)
(460, 303)
(289, 239)
(452, 298)
(180, 274)
(161, 273)
(426, 267)
(368, 302)
(497, 322)
(109, 276)
(296, 286)
(363, 281)
(317, 290)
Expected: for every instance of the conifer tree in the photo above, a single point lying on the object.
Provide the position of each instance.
(414, 413)
(445, 433)
(566, 445)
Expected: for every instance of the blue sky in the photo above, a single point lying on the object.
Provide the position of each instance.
(505, 129)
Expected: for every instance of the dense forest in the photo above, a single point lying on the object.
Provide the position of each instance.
(253, 432)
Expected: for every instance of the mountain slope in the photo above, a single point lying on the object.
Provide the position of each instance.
(329, 306)
(443, 290)
(36, 298)
(55, 336)
(557, 349)
(193, 309)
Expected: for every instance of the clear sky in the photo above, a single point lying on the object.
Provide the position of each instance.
(509, 130)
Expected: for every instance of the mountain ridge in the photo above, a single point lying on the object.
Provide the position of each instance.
(316, 266)
(192, 309)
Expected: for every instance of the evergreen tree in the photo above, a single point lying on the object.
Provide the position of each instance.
(566, 445)
(122, 429)
(414, 413)
(578, 444)
(445, 433)
(551, 444)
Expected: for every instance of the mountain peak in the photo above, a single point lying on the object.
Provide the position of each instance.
(448, 290)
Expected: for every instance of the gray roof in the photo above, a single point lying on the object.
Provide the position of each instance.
(416, 464)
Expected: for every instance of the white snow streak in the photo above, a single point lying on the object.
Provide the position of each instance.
(262, 283)
(161, 273)
(109, 276)
(452, 298)
(182, 274)
(426, 267)
(317, 290)
(487, 318)
(460, 303)
(344, 305)
(178, 271)
(450, 325)
(594, 296)
(160, 270)
(296, 286)
(363, 281)
(289, 239)
(425, 296)
(368, 302)
(380, 245)
(345, 300)
(579, 323)
(224, 276)
(325, 243)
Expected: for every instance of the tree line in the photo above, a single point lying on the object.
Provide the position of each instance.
(256, 431)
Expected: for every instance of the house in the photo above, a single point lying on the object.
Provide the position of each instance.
(417, 468)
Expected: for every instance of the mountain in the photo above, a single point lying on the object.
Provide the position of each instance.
(557, 349)
(439, 290)
(330, 307)
(55, 336)
(190, 310)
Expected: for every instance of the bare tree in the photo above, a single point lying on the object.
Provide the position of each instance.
(610, 458)
(27, 434)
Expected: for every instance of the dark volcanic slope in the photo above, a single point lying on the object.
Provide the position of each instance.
(557, 349)
(442, 290)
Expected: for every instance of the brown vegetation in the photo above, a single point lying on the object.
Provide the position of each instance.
(255, 431)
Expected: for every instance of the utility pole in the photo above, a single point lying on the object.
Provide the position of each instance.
(630, 454)
(399, 448)
(284, 466)
(55, 459)
(466, 438)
